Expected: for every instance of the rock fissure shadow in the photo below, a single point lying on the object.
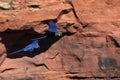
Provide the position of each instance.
(17, 39)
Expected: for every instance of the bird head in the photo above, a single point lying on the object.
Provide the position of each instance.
(58, 34)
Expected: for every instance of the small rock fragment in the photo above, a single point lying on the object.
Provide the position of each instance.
(6, 5)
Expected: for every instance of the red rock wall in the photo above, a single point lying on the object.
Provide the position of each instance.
(89, 49)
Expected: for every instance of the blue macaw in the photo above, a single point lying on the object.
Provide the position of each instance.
(30, 47)
(53, 28)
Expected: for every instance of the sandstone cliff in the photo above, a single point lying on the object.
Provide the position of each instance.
(88, 50)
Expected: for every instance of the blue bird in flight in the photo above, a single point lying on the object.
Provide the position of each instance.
(53, 28)
(30, 47)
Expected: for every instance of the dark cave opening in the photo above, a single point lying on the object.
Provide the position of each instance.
(18, 39)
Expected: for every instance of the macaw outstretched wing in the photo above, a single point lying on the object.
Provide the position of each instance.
(52, 27)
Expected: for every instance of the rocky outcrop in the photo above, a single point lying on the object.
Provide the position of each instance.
(89, 48)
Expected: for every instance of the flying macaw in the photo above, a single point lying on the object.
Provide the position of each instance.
(30, 47)
(53, 28)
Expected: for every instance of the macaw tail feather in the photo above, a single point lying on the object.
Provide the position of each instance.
(40, 38)
(15, 52)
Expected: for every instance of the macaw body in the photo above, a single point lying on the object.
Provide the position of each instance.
(53, 28)
(31, 46)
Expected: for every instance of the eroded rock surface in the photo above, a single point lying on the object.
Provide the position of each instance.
(88, 50)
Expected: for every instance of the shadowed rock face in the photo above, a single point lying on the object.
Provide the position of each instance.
(88, 49)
